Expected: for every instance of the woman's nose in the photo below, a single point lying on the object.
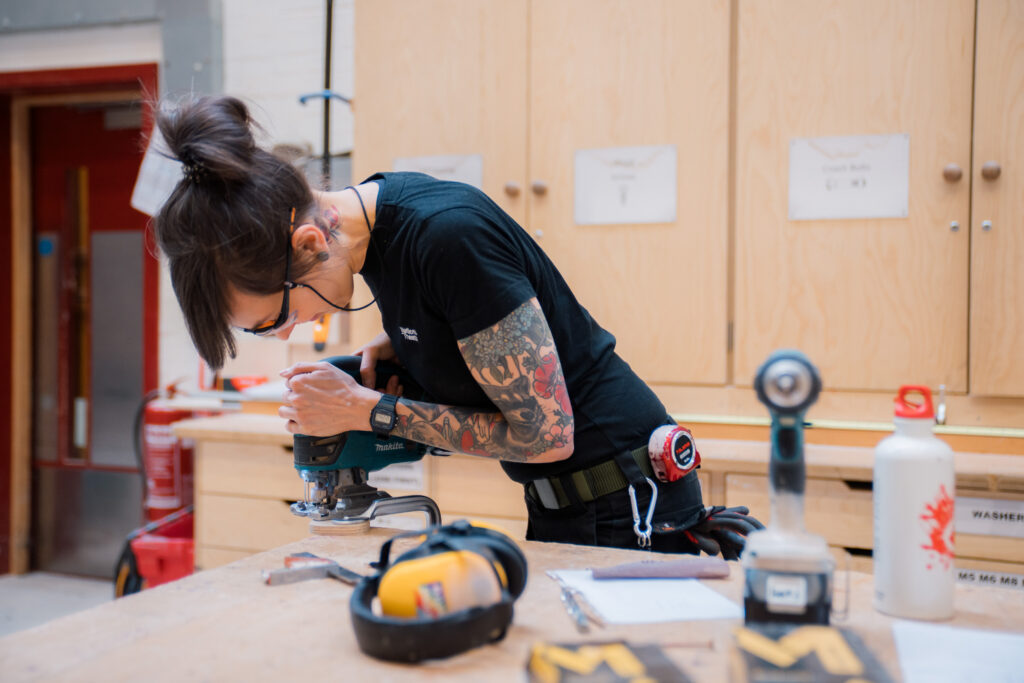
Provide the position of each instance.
(285, 332)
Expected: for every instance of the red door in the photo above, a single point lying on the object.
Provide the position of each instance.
(83, 162)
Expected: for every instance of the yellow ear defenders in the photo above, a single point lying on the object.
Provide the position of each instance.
(451, 593)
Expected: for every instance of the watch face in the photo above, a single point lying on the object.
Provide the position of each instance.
(382, 417)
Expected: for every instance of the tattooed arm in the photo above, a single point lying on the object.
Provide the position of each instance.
(516, 364)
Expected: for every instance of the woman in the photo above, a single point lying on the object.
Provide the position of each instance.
(472, 308)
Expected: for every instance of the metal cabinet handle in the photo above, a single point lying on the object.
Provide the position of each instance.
(952, 173)
(512, 188)
(986, 225)
(539, 187)
(990, 170)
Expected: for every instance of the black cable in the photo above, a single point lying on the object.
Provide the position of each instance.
(376, 247)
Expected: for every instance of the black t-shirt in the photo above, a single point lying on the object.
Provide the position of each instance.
(445, 262)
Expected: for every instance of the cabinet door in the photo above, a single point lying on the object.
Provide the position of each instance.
(997, 253)
(440, 77)
(874, 302)
(618, 73)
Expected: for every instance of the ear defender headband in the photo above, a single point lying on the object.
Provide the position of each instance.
(450, 594)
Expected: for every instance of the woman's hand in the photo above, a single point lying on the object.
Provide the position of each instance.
(379, 348)
(323, 400)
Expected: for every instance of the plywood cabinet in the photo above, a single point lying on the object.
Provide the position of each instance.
(525, 85)
(935, 297)
(618, 74)
(441, 77)
(882, 302)
(875, 302)
(997, 207)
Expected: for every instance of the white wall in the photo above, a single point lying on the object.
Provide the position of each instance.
(273, 52)
(94, 46)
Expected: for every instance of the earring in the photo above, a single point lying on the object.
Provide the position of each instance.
(322, 256)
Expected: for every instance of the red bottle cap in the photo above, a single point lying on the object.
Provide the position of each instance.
(905, 408)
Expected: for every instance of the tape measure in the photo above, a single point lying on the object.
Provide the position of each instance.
(673, 452)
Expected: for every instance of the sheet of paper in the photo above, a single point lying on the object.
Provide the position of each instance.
(645, 601)
(462, 168)
(406, 476)
(934, 652)
(158, 176)
(625, 185)
(857, 176)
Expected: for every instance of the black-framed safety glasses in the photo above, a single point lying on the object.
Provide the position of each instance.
(269, 326)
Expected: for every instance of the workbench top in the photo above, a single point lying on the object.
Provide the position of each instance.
(225, 624)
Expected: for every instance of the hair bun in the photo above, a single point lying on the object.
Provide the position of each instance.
(211, 135)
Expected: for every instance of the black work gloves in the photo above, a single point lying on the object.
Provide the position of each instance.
(723, 530)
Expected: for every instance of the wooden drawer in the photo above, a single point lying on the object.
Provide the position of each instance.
(258, 470)
(208, 557)
(252, 524)
(705, 487)
(842, 515)
(1004, 548)
(852, 562)
(468, 486)
(989, 565)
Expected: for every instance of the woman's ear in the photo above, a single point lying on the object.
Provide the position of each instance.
(309, 240)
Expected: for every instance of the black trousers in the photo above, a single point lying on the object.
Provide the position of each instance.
(608, 520)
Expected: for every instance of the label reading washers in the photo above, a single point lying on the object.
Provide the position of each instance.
(786, 593)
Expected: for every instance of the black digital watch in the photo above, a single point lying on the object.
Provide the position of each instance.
(383, 417)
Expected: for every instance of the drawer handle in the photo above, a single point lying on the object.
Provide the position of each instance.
(858, 485)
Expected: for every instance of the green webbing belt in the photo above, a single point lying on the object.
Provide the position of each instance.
(594, 482)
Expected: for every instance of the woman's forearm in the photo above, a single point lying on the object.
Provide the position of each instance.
(487, 434)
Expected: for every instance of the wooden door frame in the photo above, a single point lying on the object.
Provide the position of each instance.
(76, 86)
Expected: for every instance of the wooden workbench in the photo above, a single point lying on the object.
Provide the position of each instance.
(225, 624)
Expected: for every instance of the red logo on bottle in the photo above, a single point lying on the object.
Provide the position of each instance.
(939, 518)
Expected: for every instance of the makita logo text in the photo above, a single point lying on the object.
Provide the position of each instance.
(390, 447)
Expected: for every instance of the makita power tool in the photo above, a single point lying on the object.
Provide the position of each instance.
(335, 468)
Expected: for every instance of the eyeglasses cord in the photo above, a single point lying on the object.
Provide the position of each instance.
(366, 216)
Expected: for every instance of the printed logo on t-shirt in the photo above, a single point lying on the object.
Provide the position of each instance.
(409, 334)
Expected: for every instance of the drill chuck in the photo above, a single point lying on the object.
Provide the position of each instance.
(787, 383)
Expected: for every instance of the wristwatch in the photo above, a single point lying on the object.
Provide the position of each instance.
(382, 417)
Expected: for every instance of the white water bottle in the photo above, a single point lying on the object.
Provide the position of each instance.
(914, 494)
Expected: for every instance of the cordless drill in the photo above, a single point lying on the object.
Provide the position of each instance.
(788, 570)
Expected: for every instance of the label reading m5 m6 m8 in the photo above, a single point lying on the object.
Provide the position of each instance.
(979, 577)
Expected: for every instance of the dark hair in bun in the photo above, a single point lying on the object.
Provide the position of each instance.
(226, 222)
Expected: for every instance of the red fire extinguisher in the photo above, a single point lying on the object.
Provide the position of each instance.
(166, 460)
